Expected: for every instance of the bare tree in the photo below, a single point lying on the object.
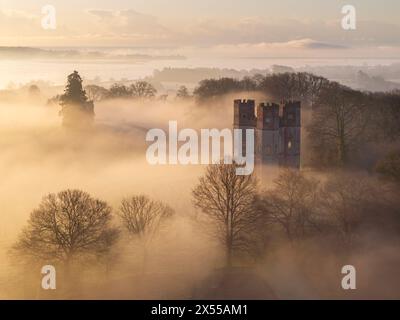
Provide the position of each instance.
(212, 88)
(96, 93)
(142, 89)
(182, 93)
(338, 122)
(119, 91)
(67, 226)
(34, 91)
(227, 201)
(302, 86)
(389, 166)
(291, 204)
(348, 200)
(310, 87)
(281, 86)
(143, 218)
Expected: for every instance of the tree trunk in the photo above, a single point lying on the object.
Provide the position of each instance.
(342, 153)
(145, 258)
(229, 241)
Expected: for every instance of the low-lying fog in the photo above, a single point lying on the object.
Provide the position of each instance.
(39, 157)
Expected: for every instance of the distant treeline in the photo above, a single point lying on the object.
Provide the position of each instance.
(343, 120)
(95, 93)
(195, 75)
(29, 53)
(371, 78)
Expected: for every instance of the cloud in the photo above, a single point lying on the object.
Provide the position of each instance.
(292, 48)
(310, 44)
(20, 28)
(324, 34)
(292, 44)
(132, 28)
(103, 14)
(127, 22)
(14, 22)
(253, 30)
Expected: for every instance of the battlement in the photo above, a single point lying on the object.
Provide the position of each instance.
(245, 102)
(244, 115)
(268, 116)
(291, 114)
(277, 130)
(268, 105)
(291, 103)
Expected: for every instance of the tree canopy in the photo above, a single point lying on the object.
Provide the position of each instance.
(227, 201)
(77, 110)
(66, 227)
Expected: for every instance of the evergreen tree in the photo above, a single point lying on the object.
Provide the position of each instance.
(77, 110)
(74, 93)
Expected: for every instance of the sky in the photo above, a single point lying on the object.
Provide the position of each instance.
(243, 27)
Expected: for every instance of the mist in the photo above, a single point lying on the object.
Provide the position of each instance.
(41, 157)
(108, 161)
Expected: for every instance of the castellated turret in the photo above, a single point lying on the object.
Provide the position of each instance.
(244, 115)
(290, 132)
(244, 118)
(267, 142)
(277, 131)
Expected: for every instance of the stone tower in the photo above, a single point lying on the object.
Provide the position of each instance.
(244, 118)
(267, 134)
(277, 131)
(290, 132)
